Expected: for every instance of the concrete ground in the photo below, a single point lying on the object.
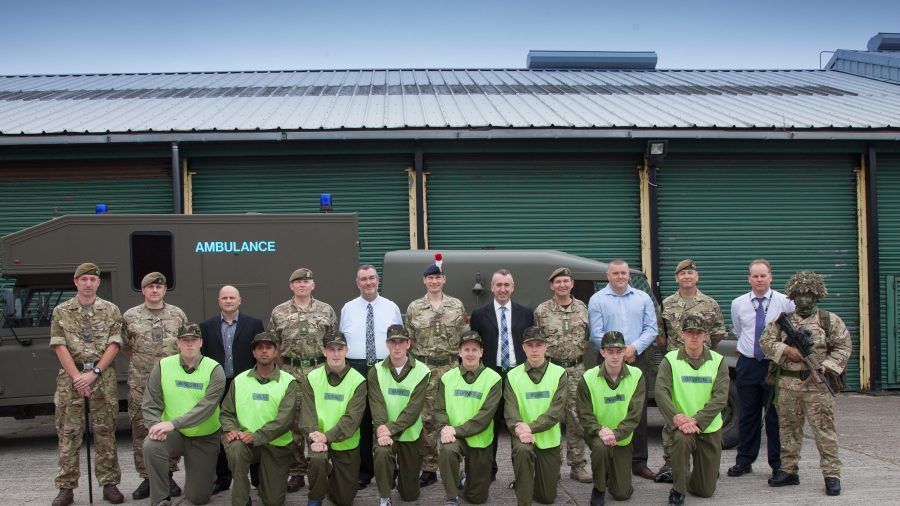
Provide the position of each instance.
(868, 433)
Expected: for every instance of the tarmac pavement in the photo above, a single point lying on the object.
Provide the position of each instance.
(868, 433)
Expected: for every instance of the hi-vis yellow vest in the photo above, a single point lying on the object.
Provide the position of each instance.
(396, 394)
(463, 401)
(611, 405)
(182, 391)
(692, 389)
(332, 401)
(257, 403)
(534, 400)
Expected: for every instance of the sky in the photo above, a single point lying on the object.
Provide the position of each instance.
(123, 36)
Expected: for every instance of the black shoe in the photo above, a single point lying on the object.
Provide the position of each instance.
(664, 475)
(781, 478)
(174, 489)
(220, 486)
(598, 498)
(675, 499)
(832, 486)
(295, 483)
(427, 478)
(142, 491)
(739, 470)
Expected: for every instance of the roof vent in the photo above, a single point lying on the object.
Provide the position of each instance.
(885, 42)
(598, 60)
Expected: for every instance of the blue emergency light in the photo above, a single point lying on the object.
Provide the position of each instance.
(325, 202)
(101, 209)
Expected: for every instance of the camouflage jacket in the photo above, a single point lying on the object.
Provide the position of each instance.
(301, 329)
(435, 332)
(149, 337)
(86, 333)
(674, 307)
(567, 328)
(832, 352)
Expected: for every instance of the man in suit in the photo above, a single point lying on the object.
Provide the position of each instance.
(501, 324)
(227, 339)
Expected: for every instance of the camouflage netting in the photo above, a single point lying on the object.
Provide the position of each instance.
(806, 282)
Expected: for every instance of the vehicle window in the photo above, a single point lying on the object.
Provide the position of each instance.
(152, 252)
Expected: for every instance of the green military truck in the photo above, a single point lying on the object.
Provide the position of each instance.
(469, 279)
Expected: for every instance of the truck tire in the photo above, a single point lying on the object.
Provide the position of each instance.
(730, 418)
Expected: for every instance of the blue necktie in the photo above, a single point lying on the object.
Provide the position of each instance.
(760, 325)
(370, 335)
(504, 340)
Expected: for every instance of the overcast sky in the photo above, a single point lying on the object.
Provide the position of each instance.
(105, 36)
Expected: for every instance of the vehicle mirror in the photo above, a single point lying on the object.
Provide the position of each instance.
(9, 303)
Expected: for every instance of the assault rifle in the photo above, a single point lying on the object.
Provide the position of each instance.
(800, 339)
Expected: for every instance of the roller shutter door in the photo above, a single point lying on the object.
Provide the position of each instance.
(889, 266)
(799, 213)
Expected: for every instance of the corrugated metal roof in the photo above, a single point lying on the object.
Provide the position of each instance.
(329, 100)
(875, 64)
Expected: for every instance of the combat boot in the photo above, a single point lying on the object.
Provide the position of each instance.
(664, 475)
(427, 478)
(598, 498)
(174, 489)
(581, 475)
(781, 478)
(295, 483)
(832, 486)
(64, 498)
(142, 491)
(675, 498)
(112, 495)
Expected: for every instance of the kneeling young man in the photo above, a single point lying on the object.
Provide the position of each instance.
(468, 396)
(181, 413)
(257, 416)
(333, 400)
(535, 402)
(691, 391)
(397, 388)
(610, 399)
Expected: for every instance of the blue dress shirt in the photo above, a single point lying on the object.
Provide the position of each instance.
(632, 313)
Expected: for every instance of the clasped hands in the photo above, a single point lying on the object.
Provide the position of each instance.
(523, 432)
(606, 435)
(318, 442)
(244, 437)
(383, 436)
(686, 424)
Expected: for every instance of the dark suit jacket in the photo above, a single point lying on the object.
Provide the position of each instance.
(484, 321)
(214, 348)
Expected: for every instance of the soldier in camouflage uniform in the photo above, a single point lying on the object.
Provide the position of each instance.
(300, 323)
(688, 300)
(564, 319)
(434, 323)
(85, 334)
(800, 394)
(149, 333)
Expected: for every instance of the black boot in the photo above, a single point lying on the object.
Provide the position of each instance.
(675, 499)
(598, 498)
(781, 478)
(832, 486)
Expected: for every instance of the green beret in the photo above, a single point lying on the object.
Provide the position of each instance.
(189, 330)
(612, 339)
(470, 335)
(685, 264)
(333, 337)
(301, 273)
(264, 337)
(562, 271)
(154, 278)
(397, 331)
(693, 321)
(806, 282)
(534, 334)
(87, 268)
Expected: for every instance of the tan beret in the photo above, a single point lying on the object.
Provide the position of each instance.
(87, 268)
(685, 264)
(154, 278)
(562, 271)
(301, 273)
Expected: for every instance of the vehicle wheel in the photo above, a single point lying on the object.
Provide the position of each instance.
(730, 418)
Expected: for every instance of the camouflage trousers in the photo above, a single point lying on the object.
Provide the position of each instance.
(139, 432)
(69, 418)
(574, 432)
(430, 434)
(818, 407)
(298, 444)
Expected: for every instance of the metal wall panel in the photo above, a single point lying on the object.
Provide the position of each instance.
(374, 187)
(889, 263)
(797, 212)
(586, 207)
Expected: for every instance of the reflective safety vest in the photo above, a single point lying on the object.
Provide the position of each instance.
(332, 401)
(535, 399)
(182, 391)
(464, 400)
(692, 389)
(257, 403)
(611, 404)
(396, 394)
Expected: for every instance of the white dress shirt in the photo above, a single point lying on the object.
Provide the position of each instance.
(743, 316)
(353, 325)
(509, 337)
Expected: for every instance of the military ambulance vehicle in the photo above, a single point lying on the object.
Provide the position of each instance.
(198, 254)
(469, 279)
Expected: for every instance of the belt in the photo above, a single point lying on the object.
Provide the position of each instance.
(796, 374)
(434, 361)
(361, 361)
(85, 366)
(567, 363)
(304, 362)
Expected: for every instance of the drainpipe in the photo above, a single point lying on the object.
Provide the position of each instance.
(654, 230)
(419, 166)
(176, 180)
(874, 274)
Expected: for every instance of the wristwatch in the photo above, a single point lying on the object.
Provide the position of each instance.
(97, 371)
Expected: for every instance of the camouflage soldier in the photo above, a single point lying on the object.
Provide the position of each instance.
(800, 394)
(565, 321)
(434, 323)
(687, 300)
(85, 334)
(149, 332)
(300, 323)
